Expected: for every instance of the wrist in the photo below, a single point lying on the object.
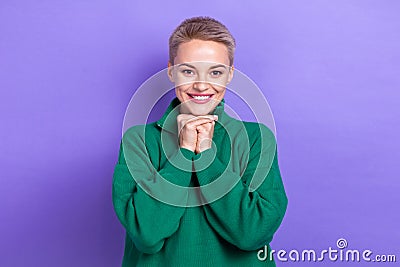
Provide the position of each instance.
(187, 147)
(203, 145)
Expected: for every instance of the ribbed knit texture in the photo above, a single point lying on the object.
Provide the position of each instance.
(226, 232)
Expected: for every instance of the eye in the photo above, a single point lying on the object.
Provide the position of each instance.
(187, 72)
(216, 73)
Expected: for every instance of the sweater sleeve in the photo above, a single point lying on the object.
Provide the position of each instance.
(148, 221)
(246, 218)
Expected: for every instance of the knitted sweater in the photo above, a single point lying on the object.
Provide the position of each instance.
(221, 225)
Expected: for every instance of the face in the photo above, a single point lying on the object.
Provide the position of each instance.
(201, 72)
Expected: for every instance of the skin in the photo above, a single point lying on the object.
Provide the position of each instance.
(201, 68)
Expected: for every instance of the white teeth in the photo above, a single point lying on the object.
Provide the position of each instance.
(201, 97)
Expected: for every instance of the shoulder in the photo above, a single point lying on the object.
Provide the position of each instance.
(254, 130)
(141, 132)
(257, 128)
(260, 135)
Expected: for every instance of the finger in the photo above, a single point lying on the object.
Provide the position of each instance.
(187, 119)
(195, 123)
(206, 125)
(185, 116)
(213, 117)
(208, 117)
(181, 118)
(201, 128)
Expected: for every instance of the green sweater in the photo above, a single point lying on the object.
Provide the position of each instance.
(168, 225)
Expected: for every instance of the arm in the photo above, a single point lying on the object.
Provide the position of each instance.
(243, 217)
(147, 221)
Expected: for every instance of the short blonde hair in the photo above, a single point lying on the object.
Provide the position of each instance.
(201, 28)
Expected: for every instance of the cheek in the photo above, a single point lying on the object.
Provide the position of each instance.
(220, 90)
(181, 89)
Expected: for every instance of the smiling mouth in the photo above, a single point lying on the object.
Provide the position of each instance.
(200, 97)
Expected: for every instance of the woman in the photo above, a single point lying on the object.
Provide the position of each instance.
(195, 143)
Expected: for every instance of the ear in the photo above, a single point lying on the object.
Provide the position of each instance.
(170, 72)
(230, 77)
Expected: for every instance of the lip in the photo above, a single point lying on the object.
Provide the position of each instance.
(199, 101)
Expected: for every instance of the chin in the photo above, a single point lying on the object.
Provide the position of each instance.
(200, 109)
(200, 113)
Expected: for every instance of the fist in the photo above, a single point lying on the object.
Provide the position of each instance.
(205, 134)
(195, 132)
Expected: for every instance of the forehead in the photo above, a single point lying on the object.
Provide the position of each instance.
(199, 50)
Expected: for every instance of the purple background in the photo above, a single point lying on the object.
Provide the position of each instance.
(329, 69)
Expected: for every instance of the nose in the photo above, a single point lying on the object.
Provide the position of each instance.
(201, 86)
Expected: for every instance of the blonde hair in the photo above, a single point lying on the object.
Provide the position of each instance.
(201, 28)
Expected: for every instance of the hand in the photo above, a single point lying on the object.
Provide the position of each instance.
(188, 133)
(205, 134)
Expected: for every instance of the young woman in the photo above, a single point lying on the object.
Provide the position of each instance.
(181, 187)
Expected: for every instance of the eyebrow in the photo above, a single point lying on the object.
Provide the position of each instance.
(193, 67)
